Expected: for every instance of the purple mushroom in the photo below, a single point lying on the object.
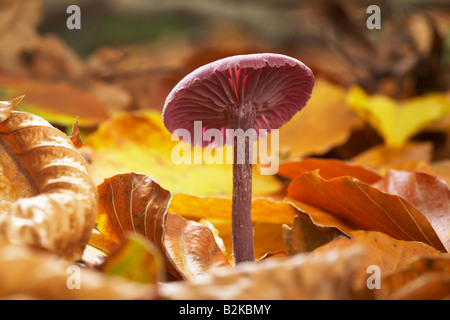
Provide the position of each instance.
(255, 91)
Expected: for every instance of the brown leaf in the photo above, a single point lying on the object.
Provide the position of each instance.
(427, 193)
(131, 202)
(57, 102)
(322, 276)
(191, 247)
(47, 197)
(30, 274)
(364, 207)
(305, 236)
(267, 218)
(6, 107)
(381, 250)
(328, 169)
(75, 135)
(424, 278)
(134, 202)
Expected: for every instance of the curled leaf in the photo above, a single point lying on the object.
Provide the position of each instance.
(47, 197)
(75, 135)
(132, 202)
(364, 207)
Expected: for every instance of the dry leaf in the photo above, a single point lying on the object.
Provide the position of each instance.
(398, 121)
(410, 156)
(427, 193)
(326, 107)
(140, 142)
(267, 219)
(328, 169)
(305, 236)
(364, 207)
(133, 202)
(47, 197)
(75, 135)
(381, 250)
(136, 259)
(57, 102)
(191, 247)
(424, 278)
(322, 276)
(37, 275)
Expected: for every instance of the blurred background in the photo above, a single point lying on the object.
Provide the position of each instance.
(129, 54)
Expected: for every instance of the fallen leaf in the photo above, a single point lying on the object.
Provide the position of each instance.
(191, 247)
(441, 169)
(134, 202)
(32, 274)
(425, 192)
(305, 236)
(383, 251)
(140, 142)
(322, 276)
(131, 202)
(364, 207)
(267, 219)
(18, 24)
(328, 169)
(57, 102)
(328, 107)
(424, 278)
(410, 156)
(397, 121)
(136, 259)
(48, 199)
(75, 135)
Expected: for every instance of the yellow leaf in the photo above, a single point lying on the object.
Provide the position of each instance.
(324, 123)
(397, 121)
(141, 143)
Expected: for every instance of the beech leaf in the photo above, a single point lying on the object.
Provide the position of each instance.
(427, 193)
(328, 169)
(322, 276)
(397, 121)
(387, 253)
(48, 199)
(364, 207)
(132, 202)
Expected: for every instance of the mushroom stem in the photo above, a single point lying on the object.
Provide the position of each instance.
(242, 119)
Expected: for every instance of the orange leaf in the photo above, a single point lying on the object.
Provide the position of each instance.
(381, 250)
(365, 207)
(410, 156)
(424, 278)
(267, 217)
(427, 193)
(328, 169)
(56, 102)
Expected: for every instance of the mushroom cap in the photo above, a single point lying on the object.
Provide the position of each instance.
(277, 86)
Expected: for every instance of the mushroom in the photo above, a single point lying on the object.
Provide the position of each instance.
(253, 91)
